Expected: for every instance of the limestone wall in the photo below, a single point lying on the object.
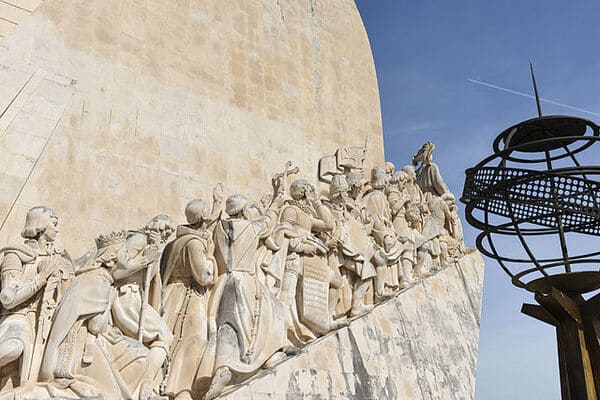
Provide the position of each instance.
(112, 111)
(12, 12)
(421, 345)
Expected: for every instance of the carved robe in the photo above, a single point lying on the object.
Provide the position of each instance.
(128, 304)
(249, 318)
(377, 206)
(28, 317)
(430, 179)
(85, 354)
(188, 267)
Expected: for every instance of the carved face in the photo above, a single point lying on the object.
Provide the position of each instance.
(379, 178)
(112, 255)
(122, 256)
(51, 231)
(355, 191)
(395, 204)
(301, 189)
(410, 173)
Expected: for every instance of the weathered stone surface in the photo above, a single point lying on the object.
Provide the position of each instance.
(114, 110)
(12, 12)
(420, 345)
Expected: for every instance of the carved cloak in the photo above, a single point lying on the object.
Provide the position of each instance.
(249, 318)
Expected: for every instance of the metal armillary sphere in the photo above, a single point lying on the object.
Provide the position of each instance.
(537, 206)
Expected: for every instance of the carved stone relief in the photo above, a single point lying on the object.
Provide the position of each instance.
(240, 287)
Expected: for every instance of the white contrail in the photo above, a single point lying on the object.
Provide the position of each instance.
(533, 97)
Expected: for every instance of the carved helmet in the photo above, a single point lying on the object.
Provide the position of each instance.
(354, 179)
(338, 186)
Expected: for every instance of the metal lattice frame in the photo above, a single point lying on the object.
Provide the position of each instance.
(537, 202)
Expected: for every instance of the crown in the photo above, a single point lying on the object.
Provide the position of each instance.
(118, 237)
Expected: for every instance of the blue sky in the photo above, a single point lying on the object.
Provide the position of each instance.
(425, 52)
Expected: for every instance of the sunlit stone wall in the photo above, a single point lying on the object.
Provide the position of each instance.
(112, 111)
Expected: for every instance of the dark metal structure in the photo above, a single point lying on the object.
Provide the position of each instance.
(537, 206)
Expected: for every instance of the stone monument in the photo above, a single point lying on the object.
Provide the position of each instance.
(318, 269)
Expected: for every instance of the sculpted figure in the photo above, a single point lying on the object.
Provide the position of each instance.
(431, 233)
(411, 188)
(306, 269)
(188, 268)
(135, 310)
(280, 185)
(249, 319)
(356, 186)
(34, 277)
(389, 249)
(424, 261)
(457, 232)
(440, 213)
(390, 169)
(407, 236)
(352, 248)
(86, 356)
(429, 177)
(414, 259)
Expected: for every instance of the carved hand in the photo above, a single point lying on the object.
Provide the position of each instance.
(311, 196)
(154, 237)
(218, 193)
(314, 250)
(8, 296)
(150, 255)
(266, 200)
(45, 269)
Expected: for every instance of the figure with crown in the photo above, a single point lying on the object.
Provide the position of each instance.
(85, 355)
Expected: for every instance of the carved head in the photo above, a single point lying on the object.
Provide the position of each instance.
(355, 182)
(399, 178)
(413, 217)
(395, 201)
(300, 188)
(424, 154)
(389, 168)
(236, 205)
(410, 172)
(112, 248)
(162, 224)
(449, 198)
(41, 222)
(379, 178)
(197, 211)
(338, 188)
